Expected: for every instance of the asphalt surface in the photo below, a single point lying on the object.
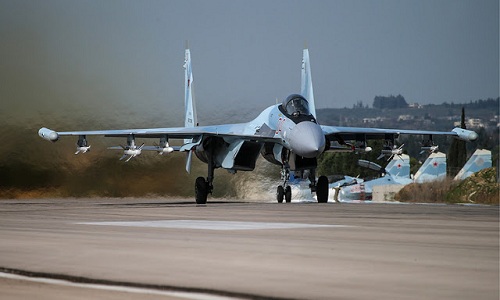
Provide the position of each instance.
(247, 250)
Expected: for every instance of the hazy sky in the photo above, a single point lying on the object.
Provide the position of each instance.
(126, 57)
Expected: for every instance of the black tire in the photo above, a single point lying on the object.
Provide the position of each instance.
(201, 190)
(280, 193)
(288, 194)
(322, 189)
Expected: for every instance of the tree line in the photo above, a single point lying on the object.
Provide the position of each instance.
(389, 102)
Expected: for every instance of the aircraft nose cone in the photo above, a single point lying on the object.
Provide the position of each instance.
(307, 139)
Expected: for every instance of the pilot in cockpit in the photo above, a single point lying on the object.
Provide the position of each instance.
(296, 106)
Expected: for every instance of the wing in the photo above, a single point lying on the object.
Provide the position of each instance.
(227, 131)
(354, 133)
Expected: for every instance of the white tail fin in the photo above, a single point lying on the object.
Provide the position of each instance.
(481, 159)
(399, 166)
(306, 87)
(191, 119)
(189, 104)
(434, 168)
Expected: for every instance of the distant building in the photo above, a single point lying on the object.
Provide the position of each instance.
(450, 118)
(475, 123)
(471, 123)
(415, 105)
(373, 120)
(495, 121)
(405, 118)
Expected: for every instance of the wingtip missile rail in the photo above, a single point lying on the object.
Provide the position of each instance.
(47, 134)
(465, 135)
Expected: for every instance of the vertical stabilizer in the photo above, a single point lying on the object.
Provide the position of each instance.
(191, 119)
(306, 87)
(189, 104)
(481, 159)
(434, 168)
(399, 166)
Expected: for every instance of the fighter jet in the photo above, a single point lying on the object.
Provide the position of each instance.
(287, 134)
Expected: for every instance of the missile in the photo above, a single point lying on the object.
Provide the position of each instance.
(47, 134)
(167, 149)
(391, 152)
(465, 135)
(359, 150)
(430, 149)
(359, 147)
(82, 149)
(164, 147)
(131, 151)
(350, 148)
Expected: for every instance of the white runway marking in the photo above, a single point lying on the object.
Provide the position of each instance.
(113, 288)
(212, 225)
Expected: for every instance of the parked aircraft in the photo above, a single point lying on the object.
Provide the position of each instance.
(481, 159)
(286, 134)
(397, 172)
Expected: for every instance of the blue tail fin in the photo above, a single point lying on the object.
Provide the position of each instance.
(434, 168)
(481, 159)
(399, 166)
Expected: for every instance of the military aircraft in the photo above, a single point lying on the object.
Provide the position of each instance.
(397, 172)
(286, 134)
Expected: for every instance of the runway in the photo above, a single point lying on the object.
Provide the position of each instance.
(238, 250)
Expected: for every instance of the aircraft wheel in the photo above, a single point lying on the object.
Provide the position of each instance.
(201, 190)
(322, 189)
(280, 193)
(288, 194)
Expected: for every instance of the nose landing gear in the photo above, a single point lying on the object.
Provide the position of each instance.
(320, 187)
(284, 190)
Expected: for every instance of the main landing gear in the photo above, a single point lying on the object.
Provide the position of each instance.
(201, 189)
(322, 189)
(204, 187)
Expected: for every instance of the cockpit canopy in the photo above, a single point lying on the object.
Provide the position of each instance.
(296, 105)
